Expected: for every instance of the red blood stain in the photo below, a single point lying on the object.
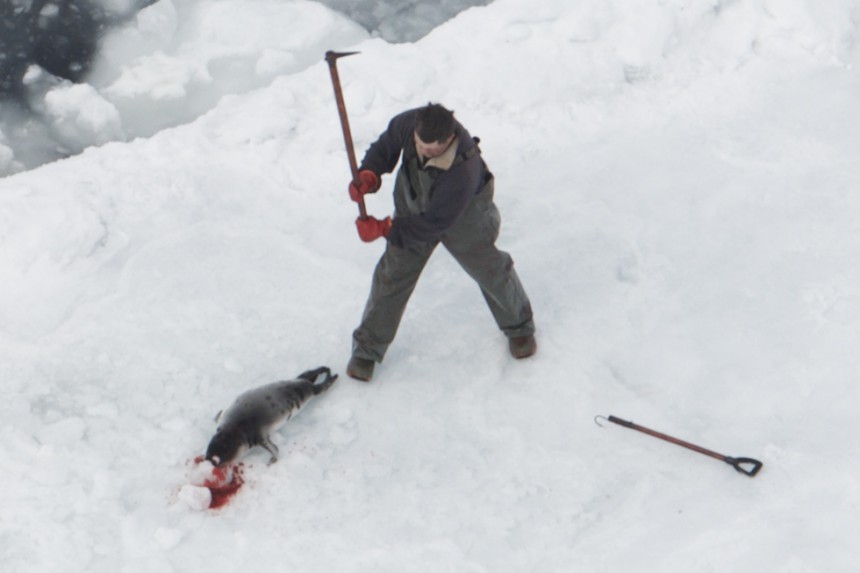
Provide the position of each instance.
(225, 482)
(223, 488)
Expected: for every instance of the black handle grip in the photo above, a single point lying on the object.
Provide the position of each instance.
(739, 463)
(621, 422)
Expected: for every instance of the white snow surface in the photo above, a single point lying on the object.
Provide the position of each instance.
(680, 191)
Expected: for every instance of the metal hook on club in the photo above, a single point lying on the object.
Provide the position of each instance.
(332, 57)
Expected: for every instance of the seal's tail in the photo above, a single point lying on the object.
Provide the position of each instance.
(313, 375)
(325, 384)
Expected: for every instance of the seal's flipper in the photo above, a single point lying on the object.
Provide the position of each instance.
(311, 375)
(270, 447)
(325, 385)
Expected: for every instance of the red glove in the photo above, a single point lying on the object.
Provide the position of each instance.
(372, 228)
(368, 182)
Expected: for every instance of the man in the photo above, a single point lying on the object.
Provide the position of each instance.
(443, 194)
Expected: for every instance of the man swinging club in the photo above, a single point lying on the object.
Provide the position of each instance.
(443, 194)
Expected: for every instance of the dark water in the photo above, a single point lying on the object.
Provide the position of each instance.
(44, 42)
(60, 36)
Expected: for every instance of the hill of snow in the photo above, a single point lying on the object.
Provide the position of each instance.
(678, 185)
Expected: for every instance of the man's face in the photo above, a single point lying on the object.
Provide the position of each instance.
(431, 150)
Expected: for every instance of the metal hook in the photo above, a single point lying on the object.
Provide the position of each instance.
(599, 417)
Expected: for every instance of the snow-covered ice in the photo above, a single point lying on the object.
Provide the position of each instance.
(679, 189)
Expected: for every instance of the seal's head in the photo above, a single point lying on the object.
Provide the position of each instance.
(225, 447)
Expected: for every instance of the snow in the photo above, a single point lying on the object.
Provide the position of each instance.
(168, 63)
(678, 184)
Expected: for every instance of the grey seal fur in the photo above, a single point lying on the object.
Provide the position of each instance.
(259, 412)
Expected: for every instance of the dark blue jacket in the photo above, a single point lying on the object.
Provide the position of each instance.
(451, 191)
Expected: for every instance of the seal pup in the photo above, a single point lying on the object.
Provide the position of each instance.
(255, 414)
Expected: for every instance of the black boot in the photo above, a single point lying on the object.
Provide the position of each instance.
(522, 346)
(360, 368)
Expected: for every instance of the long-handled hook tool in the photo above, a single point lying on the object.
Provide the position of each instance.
(748, 466)
(331, 58)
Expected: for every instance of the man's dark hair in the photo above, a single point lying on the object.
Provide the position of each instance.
(434, 123)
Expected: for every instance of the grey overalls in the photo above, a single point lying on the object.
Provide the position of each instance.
(470, 240)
